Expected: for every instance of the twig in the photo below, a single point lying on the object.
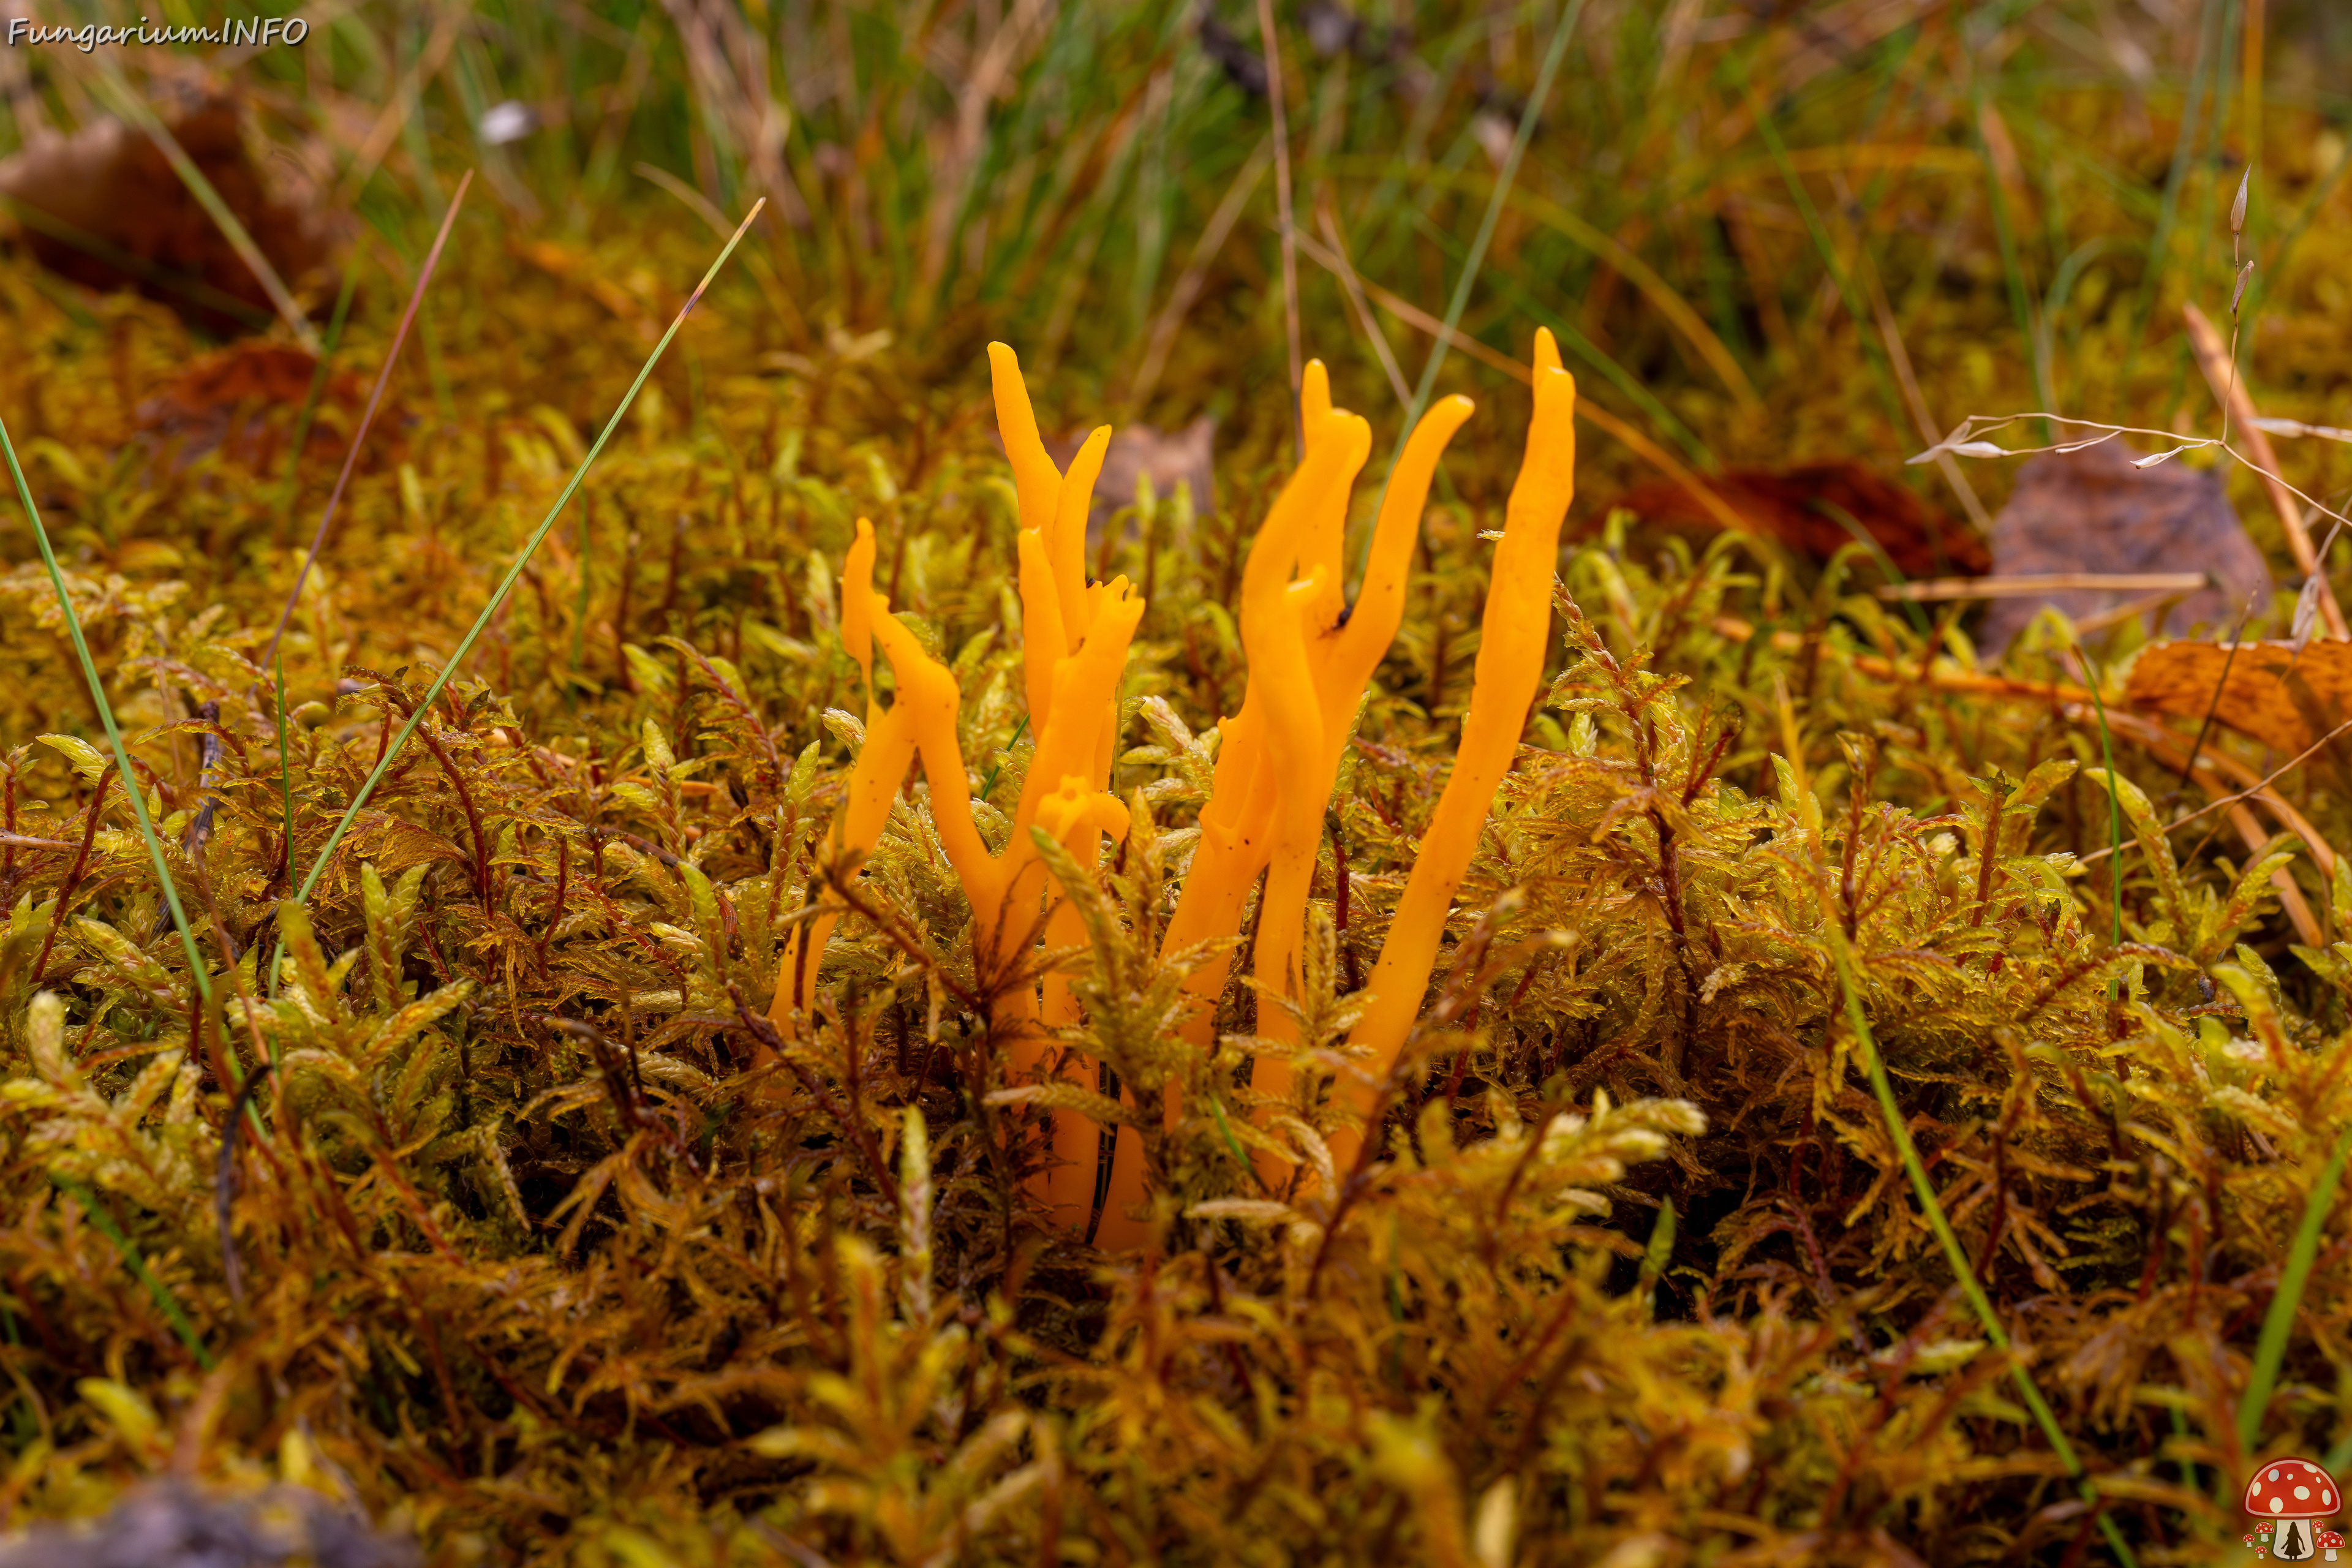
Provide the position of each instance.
(2220, 686)
(225, 1181)
(367, 419)
(1195, 275)
(1346, 270)
(2116, 615)
(2246, 793)
(859, 1137)
(2025, 586)
(1272, 49)
(2237, 408)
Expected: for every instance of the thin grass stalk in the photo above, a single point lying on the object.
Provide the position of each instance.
(2278, 1323)
(1817, 231)
(197, 973)
(2168, 210)
(2115, 801)
(133, 109)
(1955, 1255)
(1340, 264)
(580, 612)
(2004, 229)
(157, 1291)
(1898, 1129)
(319, 376)
(1562, 32)
(506, 584)
(367, 417)
(1271, 46)
(286, 791)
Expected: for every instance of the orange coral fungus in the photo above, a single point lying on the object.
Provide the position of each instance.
(1077, 639)
(1311, 661)
(1510, 665)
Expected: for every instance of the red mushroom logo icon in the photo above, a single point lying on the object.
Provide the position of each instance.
(2292, 1496)
(2330, 1542)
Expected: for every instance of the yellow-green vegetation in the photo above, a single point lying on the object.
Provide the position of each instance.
(1849, 1119)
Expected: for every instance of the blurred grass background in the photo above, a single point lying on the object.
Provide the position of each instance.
(1761, 231)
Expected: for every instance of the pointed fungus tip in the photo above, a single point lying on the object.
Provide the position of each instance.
(1547, 356)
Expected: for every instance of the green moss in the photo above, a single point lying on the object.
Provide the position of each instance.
(536, 1245)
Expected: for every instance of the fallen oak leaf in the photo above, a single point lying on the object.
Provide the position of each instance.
(2099, 510)
(104, 208)
(2282, 698)
(1809, 508)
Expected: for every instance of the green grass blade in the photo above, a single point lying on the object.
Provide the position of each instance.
(1938, 1222)
(2115, 801)
(197, 975)
(579, 618)
(1562, 32)
(2278, 1323)
(1817, 230)
(2168, 211)
(157, 1291)
(456, 658)
(127, 102)
(193, 290)
(285, 790)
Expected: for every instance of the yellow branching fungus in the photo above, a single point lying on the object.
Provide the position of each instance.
(1075, 641)
(1509, 668)
(1311, 660)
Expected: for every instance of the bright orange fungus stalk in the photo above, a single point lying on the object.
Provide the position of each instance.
(1311, 661)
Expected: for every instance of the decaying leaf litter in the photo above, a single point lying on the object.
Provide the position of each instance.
(544, 1242)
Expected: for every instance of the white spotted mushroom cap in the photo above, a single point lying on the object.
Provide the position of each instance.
(2292, 1489)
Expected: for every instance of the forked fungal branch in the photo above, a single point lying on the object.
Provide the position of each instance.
(1311, 660)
